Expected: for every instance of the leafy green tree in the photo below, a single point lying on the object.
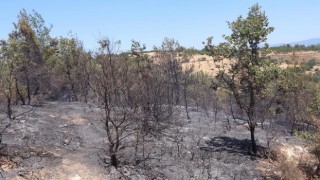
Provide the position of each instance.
(7, 76)
(295, 93)
(29, 39)
(310, 64)
(250, 72)
(69, 65)
(111, 85)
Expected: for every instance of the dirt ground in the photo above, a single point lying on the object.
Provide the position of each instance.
(56, 141)
(60, 140)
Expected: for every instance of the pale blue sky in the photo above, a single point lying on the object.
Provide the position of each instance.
(149, 21)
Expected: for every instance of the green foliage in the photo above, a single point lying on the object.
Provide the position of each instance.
(204, 52)
(251, 71)
(292, 80)
(316, 76)
(26, 53)
(307, 135)
(288, 48)
(298, 97)
(314, 104)
(310, 64)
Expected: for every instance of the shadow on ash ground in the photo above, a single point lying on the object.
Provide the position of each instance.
(65, 140)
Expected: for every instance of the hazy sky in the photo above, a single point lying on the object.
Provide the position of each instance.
(150, 21)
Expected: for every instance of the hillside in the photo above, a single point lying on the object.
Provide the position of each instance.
(299, 56)
(307, 42)
(206, 64)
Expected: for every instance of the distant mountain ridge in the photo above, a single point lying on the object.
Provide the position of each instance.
(308, 42)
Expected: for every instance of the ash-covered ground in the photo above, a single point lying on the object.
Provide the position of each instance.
(59, 140)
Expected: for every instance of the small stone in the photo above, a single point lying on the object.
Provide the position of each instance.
(66, 142)
(126, 172)
(10, 130)
(26, 137)
(62, 126)
(76, 177)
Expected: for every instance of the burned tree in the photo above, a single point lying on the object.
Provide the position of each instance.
(112, 83)
(153, 93)
(167, 57)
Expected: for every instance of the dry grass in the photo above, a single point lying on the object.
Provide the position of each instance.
(288, 59)
(300, 56)
(202, 63)
(207, 65)
(6, 163)
(290, 162)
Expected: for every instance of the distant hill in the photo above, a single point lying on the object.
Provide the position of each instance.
(308, 42)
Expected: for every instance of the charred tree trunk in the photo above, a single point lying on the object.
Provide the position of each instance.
(28, 90)
(114, 159)
(9, 109)
(185, 97)
(253, 140)
(19, 93)
(252, 118)
(317, 171)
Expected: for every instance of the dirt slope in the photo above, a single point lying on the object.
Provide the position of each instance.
(206, 64)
